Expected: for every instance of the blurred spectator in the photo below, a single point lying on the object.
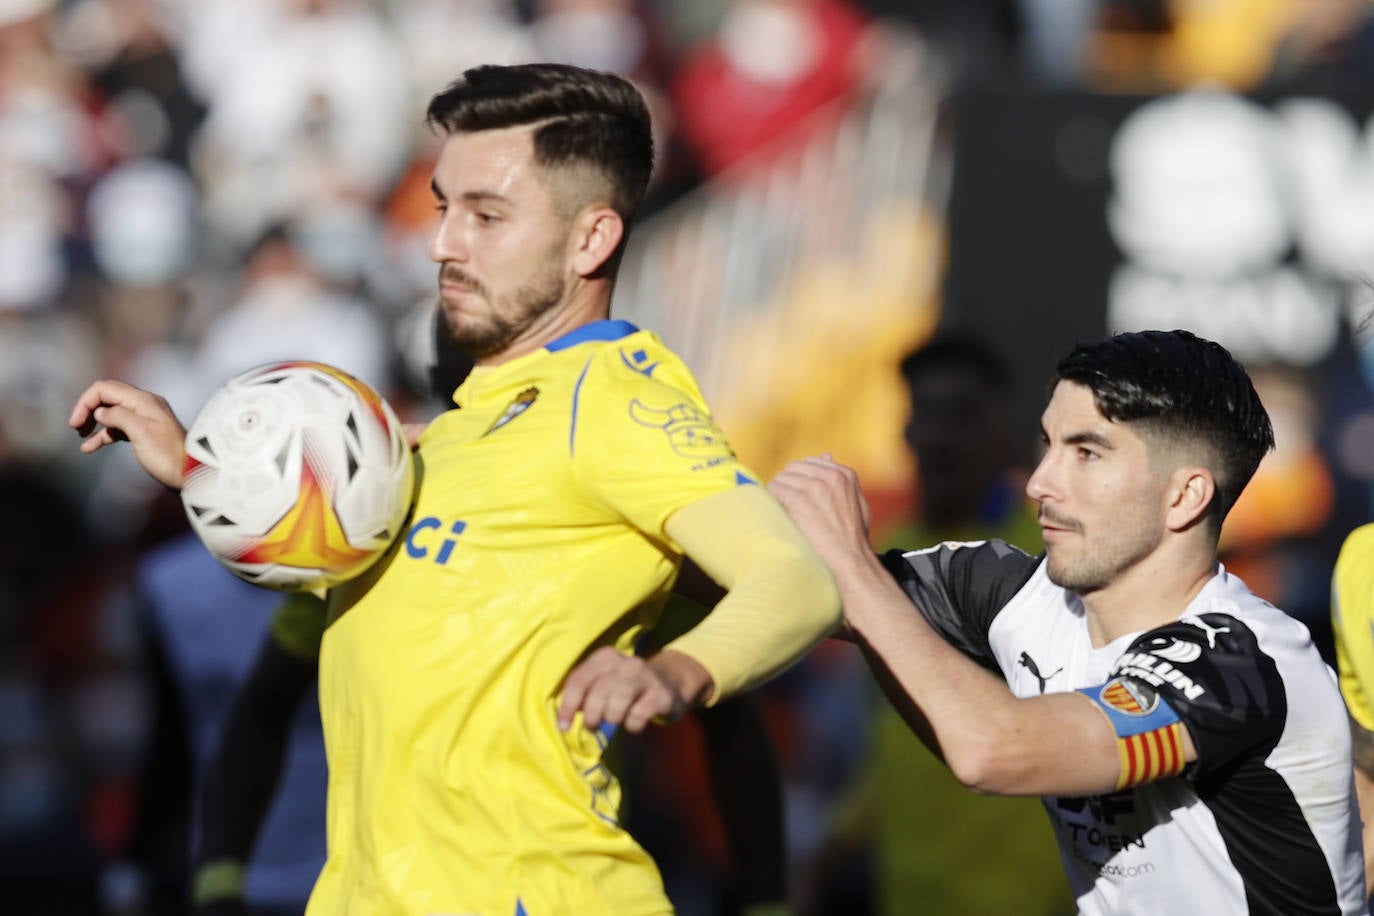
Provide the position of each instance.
(73, 711)
(308, 102)
(287, 311)
(442, 38)
(1153, 45)
(126, 47)
(1001, 41)
(931, 839)
(1328, 47)
(771, 68)
(207, 628)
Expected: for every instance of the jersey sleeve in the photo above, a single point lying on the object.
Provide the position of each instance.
(643, 440)
(959, 587)
(1352, 622)
(1211, 674)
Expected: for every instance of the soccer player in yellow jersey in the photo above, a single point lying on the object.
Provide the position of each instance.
(556, 505)
(1352, 621)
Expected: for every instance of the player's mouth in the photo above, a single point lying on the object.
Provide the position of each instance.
(1052, 525)
(455, 283)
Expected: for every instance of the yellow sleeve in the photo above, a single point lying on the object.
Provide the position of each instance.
(1352, 616)
(298, 625)
(781, 599)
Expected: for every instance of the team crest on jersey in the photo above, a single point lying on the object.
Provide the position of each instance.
(523, 401)
(691, 432)
(1128, 697)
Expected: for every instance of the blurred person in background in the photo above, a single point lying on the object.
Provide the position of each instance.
(1326, 48)
(771, 69)
(309, 117)
(986, 855)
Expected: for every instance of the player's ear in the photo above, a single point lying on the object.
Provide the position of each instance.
(1191, 491)
(596, 233)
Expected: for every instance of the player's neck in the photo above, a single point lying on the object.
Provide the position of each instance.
(1153, 592)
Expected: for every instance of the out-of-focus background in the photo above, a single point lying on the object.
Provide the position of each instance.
(192, 187)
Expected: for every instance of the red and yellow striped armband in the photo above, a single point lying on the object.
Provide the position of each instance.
(1149, 734)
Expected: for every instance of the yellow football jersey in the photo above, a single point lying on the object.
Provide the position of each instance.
(1352, 619)
(537, 536)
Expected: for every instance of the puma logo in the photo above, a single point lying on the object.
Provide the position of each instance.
(1025, 661)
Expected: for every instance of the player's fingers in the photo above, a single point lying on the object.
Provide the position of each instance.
(102, 391)
(652, 704)
(579, 682)
(620, 696)
(119, 421)
(573, 693)
(97, 441)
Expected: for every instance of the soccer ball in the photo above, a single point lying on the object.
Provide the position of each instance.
(298, 476)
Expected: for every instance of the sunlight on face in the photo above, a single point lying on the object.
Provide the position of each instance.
(1101, 500)
(501, 243)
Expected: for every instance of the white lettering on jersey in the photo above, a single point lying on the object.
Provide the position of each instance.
(1154, 670)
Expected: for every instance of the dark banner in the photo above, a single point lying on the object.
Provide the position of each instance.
(1249, 220)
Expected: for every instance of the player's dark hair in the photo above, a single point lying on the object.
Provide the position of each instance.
(581, 117)
(958, 351)
(1177, 385)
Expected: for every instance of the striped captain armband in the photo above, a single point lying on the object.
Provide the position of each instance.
(1149, 735)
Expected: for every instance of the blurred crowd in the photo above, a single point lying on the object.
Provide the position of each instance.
(189, 188)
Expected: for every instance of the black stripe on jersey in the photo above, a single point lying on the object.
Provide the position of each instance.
(1270, 843)
(1233, 701)
(961, 588)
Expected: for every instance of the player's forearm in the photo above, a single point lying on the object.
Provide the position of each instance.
(993, 741)
(781, 598)
(773, 614)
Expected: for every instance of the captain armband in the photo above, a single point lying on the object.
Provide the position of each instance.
(1149, 734)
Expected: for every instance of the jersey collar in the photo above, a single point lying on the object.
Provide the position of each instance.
(606, 329)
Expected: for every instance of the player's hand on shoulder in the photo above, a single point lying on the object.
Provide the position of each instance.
(625, 690)
(111, 411)
(824, 499)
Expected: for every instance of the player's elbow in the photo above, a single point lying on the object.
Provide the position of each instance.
(985, 765)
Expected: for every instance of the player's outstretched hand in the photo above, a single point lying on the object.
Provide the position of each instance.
(824, 499)
(110, 411)
(625, 690)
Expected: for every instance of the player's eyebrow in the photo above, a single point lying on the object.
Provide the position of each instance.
(1089, 438)
(469, 196)
(1086, 437)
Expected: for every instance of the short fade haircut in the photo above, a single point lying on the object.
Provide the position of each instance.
(1178, 387)
(581, 118)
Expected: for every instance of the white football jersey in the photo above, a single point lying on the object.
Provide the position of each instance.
(1264, 821)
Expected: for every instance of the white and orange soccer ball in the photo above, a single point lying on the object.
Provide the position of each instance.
(298, 476)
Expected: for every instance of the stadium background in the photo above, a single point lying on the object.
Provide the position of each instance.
(191, 187)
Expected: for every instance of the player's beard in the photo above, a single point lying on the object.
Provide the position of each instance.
(506, 317)
(1099, 562)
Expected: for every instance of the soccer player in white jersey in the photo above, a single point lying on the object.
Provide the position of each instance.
(557, 503)
(1187, 740)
